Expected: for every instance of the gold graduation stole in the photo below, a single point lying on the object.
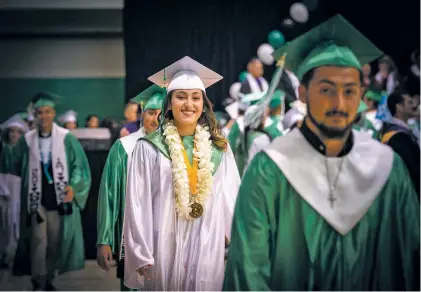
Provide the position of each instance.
(197, 208)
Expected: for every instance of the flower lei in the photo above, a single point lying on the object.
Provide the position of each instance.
(202, 153)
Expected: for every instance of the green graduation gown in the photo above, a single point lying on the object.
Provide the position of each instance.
(273, 129)
(72, 251)
(112, 192)
(284, 239)
(234, 137)
(5, 157)
(366, 126)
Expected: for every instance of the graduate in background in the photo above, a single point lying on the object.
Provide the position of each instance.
(324, 207)
(55, 185)
(254, 82)
(372, 99)
(181, 190)
(362, 124)
(274, 126)
(13, 129)
(92, 122)
(296, 114)
(398, 135)
(112, 193)
(68, 120)
(133, 121)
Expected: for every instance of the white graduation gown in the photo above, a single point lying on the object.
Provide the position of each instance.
(185, 255)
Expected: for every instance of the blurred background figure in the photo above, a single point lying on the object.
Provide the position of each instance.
(399, 136)
(92, 122)
(13, 129)
(367, 76)
(387, 78)
(68, 120)
(254, 82)
(132, 113)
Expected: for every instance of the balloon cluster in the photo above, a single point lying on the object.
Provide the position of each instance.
(299, 12)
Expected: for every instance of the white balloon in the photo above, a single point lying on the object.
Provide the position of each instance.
(235, 89)
(299, 12)
(264, 52)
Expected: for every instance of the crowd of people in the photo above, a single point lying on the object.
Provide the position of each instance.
(313, 184)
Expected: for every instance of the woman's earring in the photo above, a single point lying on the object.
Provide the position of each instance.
(204, 110)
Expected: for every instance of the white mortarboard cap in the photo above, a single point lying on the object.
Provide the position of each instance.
(186, 73)
(15, 121)
(67, 117)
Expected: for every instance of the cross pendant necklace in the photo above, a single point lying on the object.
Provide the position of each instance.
(332, 187)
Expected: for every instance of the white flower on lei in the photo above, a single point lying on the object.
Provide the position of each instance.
(203, 154)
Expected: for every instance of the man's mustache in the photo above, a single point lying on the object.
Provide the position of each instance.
(335, 112)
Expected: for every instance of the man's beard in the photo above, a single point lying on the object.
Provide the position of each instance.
(328, 132)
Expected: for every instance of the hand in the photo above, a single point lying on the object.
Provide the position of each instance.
(229, 124)
(69, 195)
(124, 132)
(104, 256)
(142, 272)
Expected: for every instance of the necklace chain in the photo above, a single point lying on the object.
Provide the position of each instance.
(333, 186)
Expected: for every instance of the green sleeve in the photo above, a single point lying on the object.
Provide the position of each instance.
(6, 158)
(408, 225)
(233, 136)
(249, 260)
(111, 192)
(79, 174)
(17, 154)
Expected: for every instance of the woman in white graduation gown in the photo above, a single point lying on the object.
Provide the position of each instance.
(181, 190)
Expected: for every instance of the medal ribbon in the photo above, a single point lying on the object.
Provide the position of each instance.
(191, 172)
(45, 166)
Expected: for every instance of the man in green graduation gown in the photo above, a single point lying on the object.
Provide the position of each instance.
(112, 192)
(55, 185)
(324, 207)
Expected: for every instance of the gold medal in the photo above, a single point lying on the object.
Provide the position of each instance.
(196, 210)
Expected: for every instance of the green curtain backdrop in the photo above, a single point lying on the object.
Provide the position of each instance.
(101, 96)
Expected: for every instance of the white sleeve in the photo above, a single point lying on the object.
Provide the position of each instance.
(138, 221)
(230, 187)
(257, 145)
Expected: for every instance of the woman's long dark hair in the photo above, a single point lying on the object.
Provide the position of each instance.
(207, 118)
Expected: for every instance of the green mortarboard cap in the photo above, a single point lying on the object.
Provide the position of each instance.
(23, 115)
(373, 94)
(335, 42)
(151, 98)
(45, 99)
(276, 100)
(362, 107)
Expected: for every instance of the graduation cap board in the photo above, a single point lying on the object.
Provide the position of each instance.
(68, 117)
(151, 98)
(277, 98)
(373, 95)
(15, 121)
(45, 99)
(186, 73)
(335, 42)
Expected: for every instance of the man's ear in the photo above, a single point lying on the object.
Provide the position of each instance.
(302, 93)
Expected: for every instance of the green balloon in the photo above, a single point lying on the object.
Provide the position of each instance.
(276, 39)
(242, 76)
